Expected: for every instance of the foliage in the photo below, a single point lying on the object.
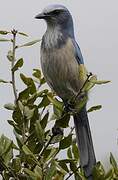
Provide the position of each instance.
(40, 135)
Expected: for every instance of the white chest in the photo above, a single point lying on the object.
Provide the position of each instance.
(51, 37)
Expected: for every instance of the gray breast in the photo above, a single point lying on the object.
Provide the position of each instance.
(53, 38)
(60, 69)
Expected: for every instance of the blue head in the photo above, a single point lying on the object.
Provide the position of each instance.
(58, 16)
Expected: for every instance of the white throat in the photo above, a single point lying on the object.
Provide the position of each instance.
(51, 37)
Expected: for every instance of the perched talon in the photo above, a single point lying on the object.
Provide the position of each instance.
(69, 107)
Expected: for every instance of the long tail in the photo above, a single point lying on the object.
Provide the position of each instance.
(85, 144)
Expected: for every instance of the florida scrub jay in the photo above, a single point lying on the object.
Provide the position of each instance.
(62, 62)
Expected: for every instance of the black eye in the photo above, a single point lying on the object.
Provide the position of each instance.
(55, 12)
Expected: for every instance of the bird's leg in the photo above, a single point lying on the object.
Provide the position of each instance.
(75, 106)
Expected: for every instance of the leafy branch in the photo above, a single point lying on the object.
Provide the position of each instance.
(41, 126)
(14, 33)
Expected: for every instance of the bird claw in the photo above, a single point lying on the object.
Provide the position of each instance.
(69, 107)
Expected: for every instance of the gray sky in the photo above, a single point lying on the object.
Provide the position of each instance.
(96, 30)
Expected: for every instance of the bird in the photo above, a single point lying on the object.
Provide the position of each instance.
(64, 70)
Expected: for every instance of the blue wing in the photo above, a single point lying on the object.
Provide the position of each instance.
(78, 53)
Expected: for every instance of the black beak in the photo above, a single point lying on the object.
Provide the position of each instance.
(41, 16)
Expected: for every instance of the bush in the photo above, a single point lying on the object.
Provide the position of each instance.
(42, 129)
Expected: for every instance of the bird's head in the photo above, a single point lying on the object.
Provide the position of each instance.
(57, 15)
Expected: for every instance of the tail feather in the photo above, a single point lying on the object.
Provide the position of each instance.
(85, 144)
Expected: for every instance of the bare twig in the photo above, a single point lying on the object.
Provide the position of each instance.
(80, 91)
(45, 147)
(43, 150)
(14, 32)
(70, 174)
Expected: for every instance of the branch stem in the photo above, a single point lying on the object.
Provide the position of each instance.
(14, 32)
(70, 174)
(43, 150)
(48, 143)
(81, 89)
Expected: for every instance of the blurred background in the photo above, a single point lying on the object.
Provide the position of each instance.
(96, 29)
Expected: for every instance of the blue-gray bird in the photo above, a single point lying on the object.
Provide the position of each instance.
(63, 68)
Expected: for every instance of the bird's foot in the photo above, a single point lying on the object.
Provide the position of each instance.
(69, 107)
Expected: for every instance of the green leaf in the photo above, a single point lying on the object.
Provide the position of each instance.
(99, 82)
(4, 32)
(18, 138)
(61, 171)
(32, 175)
(56, 102)
(69, 153)
(57, 138)
(6, 149)
(42, 93)
(10, 55)
(29, 82)
(44, 121)
(42, 81)
(90, 83)
(16, 164)
(4, 40)
(11, 122)
(5, 143)
(57, 112)
(46, 153)
(23, 34)
(50, 153)
(32, 99)
(98, 171)
(45, 102)
(94, 108)
(78, 176)
(73, 166)
(24, 95)
(30, 43)
(51, 171)
(66, 142)
(38, 172)
(113, 161)
(16, 126)
(18, 64)
(109, 175)
(9, 106)
(39, 131)
(28, 112)
(64, 166)
(27, 151)
(60, 175)
(20, 106)
(17, 115)
(34, 118)
(3, 81)
(75, 151)
(26, 80)
(14, 146)
(37, 73)
(64, 121)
